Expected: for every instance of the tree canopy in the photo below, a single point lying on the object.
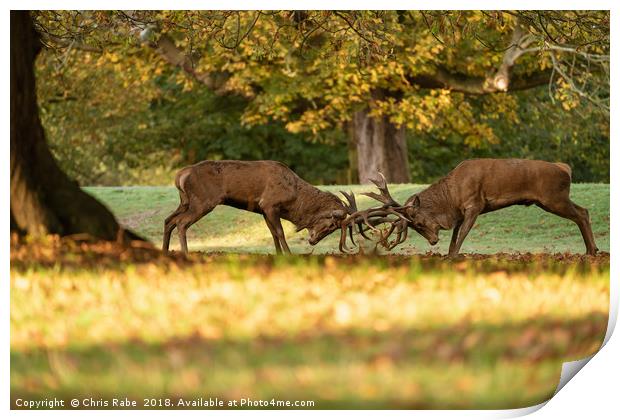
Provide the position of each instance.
(154, 82)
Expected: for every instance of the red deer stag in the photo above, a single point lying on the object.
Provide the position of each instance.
(265, 187)
(472, 188)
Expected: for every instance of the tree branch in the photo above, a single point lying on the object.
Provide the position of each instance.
(500, 81)
(581, 92)
(518, 44)
(456, 82)
(168, 50)
(58, 42)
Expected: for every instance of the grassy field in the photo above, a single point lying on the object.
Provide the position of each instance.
(515, 229)
(101, 321)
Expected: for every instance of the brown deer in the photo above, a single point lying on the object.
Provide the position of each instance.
(472, 188)
(265, 187)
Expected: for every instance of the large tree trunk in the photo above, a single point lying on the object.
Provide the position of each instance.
(381, 147)
(43, 199)
(353, 169)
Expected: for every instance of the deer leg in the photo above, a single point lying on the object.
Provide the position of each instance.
(455, 233)
(278, 226)
(168, 228)
(274, 235)
(274, 219)
(468, 221)
(569, 210)
(188, 218)
(169, 225)
(182, 230)
(586, 229)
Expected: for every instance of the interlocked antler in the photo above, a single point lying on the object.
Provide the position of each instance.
(352, 208)
(375, 216)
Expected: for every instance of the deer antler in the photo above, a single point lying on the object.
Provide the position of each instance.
(401, 234)
(352, 209)
(385, 196)
(376, 216)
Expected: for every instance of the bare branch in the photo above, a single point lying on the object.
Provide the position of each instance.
(520, 40)
(69, 43)
(352, 26)
(577, 89)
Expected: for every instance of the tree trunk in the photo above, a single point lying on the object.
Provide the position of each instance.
(352, 169)
(43, 199)
(381, 147)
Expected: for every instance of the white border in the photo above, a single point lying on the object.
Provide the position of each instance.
(592, 392)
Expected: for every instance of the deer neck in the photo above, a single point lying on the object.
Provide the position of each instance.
(309, 204)
(438, 201)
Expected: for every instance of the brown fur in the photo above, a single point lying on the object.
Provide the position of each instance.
(265, 187)
(483, 185)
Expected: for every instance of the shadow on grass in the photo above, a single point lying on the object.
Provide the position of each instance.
(471, 365)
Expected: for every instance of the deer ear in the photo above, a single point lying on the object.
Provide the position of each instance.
(416, 202)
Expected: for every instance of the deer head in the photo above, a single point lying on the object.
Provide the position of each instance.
(325, 223)
(422, 221)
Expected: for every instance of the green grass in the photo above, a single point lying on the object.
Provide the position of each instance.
(355, 332)
(515, 229)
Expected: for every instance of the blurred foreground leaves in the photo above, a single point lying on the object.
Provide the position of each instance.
(100, 320)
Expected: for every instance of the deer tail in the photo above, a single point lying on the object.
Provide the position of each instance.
(180, 182)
